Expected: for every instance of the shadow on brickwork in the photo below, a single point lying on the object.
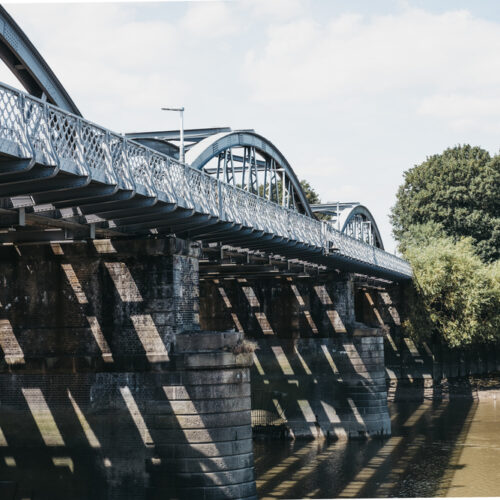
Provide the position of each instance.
(92, 405)
(313, 377)
(283, 307)
(427, 370)
(317, 373)
(324, 388)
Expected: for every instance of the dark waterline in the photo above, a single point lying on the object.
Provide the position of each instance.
(437, 449)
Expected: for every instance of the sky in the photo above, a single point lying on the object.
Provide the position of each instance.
(352, 92)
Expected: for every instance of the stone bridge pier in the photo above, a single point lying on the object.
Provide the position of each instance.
(319, 367)
(108, 387)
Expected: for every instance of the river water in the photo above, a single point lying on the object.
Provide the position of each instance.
(436, 449)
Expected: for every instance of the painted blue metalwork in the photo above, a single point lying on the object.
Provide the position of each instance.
(56, 157)
(352, 219)
(276, 175)
(24, 60)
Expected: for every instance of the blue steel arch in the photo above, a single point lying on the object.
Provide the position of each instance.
(352, 219)
(349, 216)
(219, 144)
(50, 155)
(29, 67)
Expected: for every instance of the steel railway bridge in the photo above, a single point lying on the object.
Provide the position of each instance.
(64, 178)
(121, 361)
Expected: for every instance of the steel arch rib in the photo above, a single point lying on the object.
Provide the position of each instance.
(30, 68)
(200, 154)
(348, 214)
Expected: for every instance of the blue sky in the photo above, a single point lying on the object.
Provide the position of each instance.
(352, 92)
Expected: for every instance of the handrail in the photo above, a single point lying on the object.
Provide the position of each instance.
(61, 138)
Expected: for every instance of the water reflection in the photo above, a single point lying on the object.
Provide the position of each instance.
(437, 449)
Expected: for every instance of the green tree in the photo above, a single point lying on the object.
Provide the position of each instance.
(454, 294)
(312, 197)
(459, 190)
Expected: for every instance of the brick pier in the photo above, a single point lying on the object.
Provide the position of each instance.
(108, 388)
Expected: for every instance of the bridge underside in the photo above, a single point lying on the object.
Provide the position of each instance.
(227, 248)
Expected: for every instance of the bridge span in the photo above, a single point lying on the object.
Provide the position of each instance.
(61, 171)
(131, 284)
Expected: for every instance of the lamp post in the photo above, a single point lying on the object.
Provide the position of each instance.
(181, 111)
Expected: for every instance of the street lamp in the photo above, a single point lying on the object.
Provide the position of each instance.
(181, 111)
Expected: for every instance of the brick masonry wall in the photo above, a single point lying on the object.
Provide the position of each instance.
(281, 306)
(422, 370)
(322, 387)
(94, 401)
(317, 370)
(83, 306)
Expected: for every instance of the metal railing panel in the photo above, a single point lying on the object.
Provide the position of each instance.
(119, 163)
(12, 120)
(60, 138)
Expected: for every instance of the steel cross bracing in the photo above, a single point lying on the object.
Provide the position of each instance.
(57, 158)
(262, 177)
(360, 229)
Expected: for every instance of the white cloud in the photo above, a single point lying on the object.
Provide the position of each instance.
(351, 54)
(464, 111)
(276, 10)
(109, 62)
(210, 20)
(351, 99)
(120, 64)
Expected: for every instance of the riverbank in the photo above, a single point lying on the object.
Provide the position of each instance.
(423, 387)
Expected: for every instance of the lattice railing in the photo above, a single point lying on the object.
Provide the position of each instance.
(56, 137)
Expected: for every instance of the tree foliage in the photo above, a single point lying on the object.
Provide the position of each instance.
(459, 190)
(454, 293)
(313, 198)
(311, 195)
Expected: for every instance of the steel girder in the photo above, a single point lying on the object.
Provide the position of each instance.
(353, 219)
(49, 155)
(359, 223)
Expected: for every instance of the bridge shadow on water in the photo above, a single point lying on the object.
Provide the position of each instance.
(418, 460)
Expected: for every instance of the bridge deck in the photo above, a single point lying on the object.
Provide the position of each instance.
(69, 172)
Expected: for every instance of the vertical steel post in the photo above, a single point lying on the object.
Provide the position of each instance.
(181, 149)
(221, 203)
(181, 156)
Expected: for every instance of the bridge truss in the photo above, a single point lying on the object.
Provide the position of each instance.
(352, 219)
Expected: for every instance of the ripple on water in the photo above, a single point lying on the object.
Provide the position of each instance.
(445, 449)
